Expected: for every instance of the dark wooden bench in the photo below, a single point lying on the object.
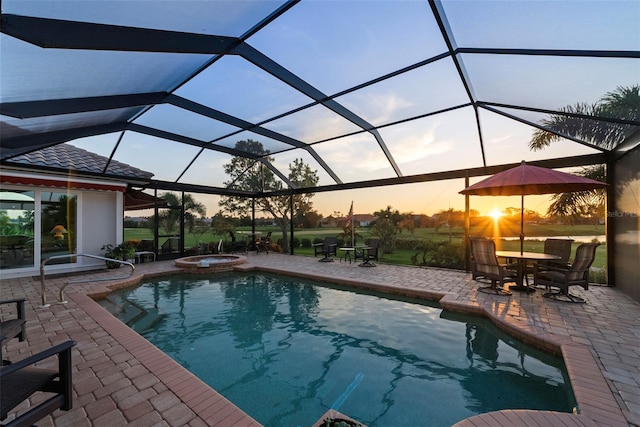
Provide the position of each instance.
(20, 380)
(13, 328)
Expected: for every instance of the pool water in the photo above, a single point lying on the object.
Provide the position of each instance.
(286, 350)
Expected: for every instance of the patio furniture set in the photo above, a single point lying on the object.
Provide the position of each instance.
(550, 269)
(329, 246)
(251, 241)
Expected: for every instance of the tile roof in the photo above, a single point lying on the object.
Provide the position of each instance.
(66, 156)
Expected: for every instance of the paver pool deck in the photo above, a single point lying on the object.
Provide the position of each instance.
(122, 379)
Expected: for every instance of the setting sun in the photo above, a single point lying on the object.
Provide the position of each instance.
(495, 214)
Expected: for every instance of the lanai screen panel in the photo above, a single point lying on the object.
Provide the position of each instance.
(239, 88)
(574, 25)
(364, 84)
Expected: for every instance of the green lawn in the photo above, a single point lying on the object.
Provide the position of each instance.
(403, 256)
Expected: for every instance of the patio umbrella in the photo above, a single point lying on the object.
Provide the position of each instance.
(136, 200)
(530, 180)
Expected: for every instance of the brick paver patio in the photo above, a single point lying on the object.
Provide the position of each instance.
(121, 379)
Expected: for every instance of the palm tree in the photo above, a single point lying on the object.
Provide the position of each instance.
(170, 219)
(623, 103)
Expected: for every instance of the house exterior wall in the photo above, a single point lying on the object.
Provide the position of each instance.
(626, 224)
(101, 223)
(98, 221)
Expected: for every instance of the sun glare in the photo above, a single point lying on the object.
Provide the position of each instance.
(495, 214)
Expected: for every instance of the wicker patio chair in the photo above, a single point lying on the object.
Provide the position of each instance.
(328, 248)
(563, 277)
(488, 267)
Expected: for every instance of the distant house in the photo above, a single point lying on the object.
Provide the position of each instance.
(363, 220)
(47, 212)
(360, 220)
(331, 222)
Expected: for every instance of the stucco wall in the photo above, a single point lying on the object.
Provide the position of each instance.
(100, 223)
(626, 217)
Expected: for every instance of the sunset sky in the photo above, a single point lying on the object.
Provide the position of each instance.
(422, 114)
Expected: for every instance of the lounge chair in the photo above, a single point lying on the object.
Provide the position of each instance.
(488, 267)
(20, 380)
(368, 253)
(562, 277)
(328, 248)
(13, 328)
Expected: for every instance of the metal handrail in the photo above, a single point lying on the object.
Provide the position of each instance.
(62, 301)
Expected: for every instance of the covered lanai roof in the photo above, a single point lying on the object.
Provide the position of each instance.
(366, 92)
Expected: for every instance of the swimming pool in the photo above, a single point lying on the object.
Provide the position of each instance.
(285, 350)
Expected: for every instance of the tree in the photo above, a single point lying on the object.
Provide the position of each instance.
(253, 176)
(572, 206)
(169, 219)
(407, 222)
(309, 219)
(623, 103)
(386, 227)
(450, 218)
(221, 224)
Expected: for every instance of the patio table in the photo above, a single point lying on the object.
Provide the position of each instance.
(347, 253)
(523, 257)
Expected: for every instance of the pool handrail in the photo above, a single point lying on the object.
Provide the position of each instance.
(102, 279)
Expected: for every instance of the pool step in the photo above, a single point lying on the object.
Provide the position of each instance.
(122, 308)
(146, 320)
(135, 316)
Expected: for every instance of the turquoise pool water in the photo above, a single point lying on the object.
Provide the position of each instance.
(286, 350)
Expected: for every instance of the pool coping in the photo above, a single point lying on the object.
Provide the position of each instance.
(596, 401)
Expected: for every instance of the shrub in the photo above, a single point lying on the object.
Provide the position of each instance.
(274, 247)
(598, 275)
(124, 251)
(296, 242)
(439, 254)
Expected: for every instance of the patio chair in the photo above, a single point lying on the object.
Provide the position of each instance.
(13, 328)
(328, 248)
(488, 267)
(552, 246)
(369, 253)
(562, 277)
(262, 244)
(475, 274)
(20, 380)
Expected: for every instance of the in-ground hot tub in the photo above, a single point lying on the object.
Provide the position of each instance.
(210, 262)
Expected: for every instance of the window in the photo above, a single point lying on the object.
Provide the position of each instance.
(58, 226)
(16, 229)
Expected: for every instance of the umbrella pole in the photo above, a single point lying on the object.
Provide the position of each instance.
(521, 224)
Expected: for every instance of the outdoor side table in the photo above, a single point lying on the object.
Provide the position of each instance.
(140, 256)
(347, 254)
